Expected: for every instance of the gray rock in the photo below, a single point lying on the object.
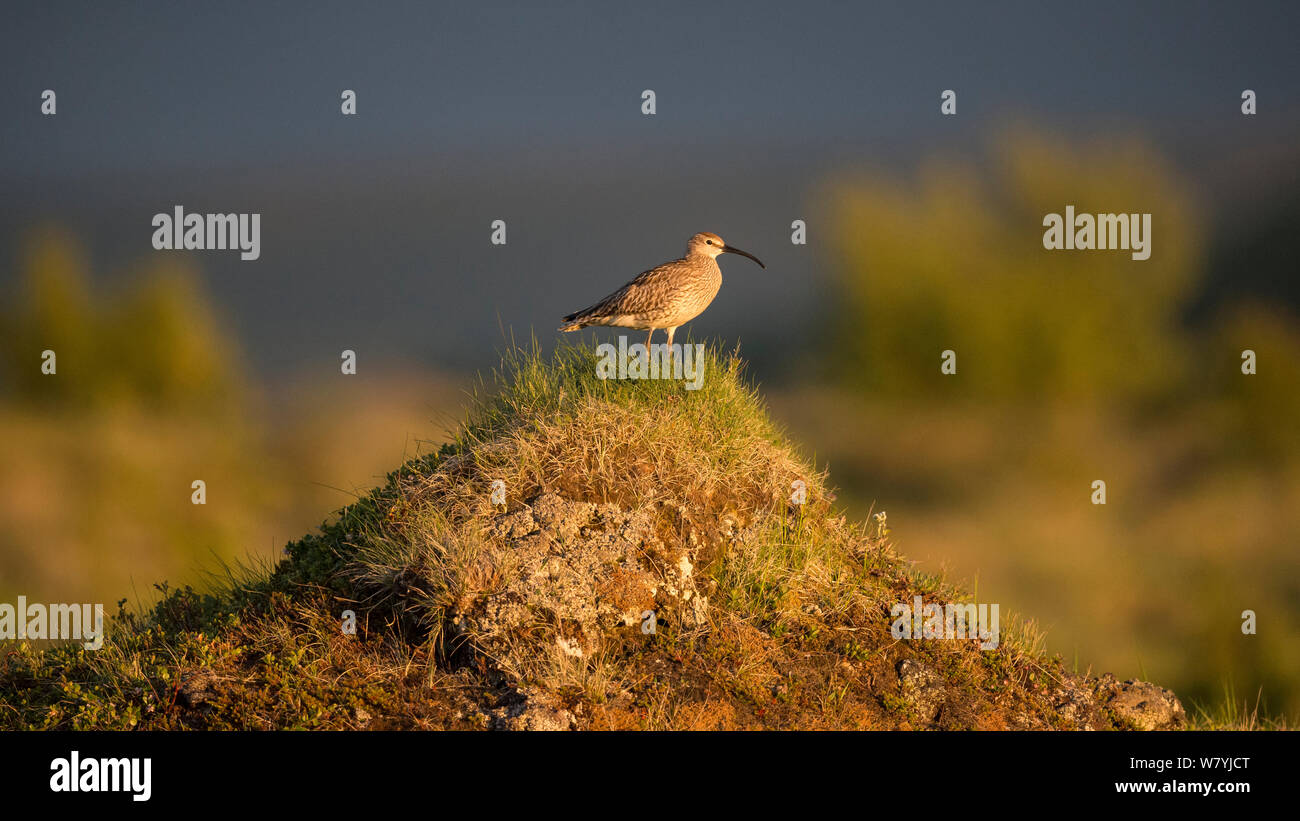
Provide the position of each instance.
(577, 572)
(533, 711)
(196, 688)
(1147, 706)
(921, 689)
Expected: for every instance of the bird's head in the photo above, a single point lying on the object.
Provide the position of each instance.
(710, 245)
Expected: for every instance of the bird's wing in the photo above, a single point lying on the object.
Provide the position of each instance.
(650, 291)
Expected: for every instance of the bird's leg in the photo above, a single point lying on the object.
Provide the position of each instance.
(648, 357)
(671, 331)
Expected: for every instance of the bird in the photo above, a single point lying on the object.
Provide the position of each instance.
(667, 296)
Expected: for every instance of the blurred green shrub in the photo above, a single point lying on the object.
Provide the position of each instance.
(955, 260)
(158, 343)
(1261, 411)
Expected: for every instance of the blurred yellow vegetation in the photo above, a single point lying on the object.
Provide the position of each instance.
(954, 260)
(157, 344)
(1072, 366)
(150, 395)
(1262, 411)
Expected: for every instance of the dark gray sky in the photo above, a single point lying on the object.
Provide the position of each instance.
(375, 227)
(180, 84)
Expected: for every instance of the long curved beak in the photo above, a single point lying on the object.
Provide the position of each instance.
(731, 249)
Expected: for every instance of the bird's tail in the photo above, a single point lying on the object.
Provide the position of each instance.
(572, 322)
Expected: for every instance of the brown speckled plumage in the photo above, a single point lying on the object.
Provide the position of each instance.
(664, 297)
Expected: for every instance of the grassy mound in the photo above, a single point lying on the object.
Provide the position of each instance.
(585, 554)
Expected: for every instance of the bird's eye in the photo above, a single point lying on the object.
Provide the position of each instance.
(709, 241)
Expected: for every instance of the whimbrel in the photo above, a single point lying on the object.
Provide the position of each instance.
(665, 297)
